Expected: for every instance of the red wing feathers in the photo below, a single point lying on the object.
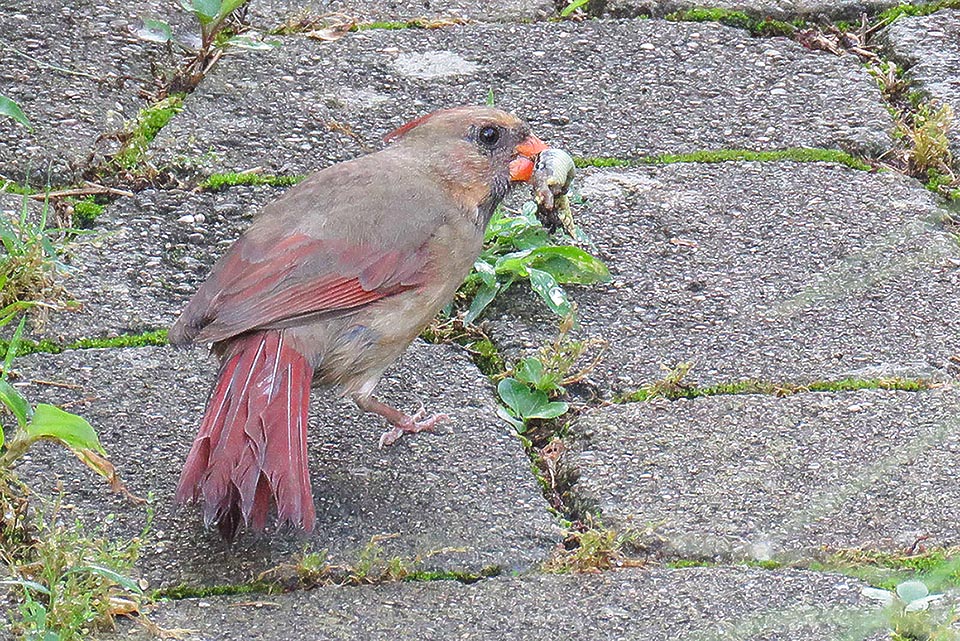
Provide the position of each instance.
(255, 286)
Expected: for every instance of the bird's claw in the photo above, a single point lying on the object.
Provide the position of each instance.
(411, 424)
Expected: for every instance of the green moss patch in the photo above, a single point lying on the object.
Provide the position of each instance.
(774, 389)
(794, 154)
(759, 27)
(148, 124)
(154, 338)
(222, 181)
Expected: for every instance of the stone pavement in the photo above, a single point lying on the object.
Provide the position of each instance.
(800, 276)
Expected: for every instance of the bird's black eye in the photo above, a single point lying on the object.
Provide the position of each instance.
(488, 136)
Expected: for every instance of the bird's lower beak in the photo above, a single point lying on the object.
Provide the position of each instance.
(521, 168)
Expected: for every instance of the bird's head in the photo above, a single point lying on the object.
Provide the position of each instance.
(480, 151)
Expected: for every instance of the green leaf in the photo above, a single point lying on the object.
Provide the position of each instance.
(569, 264)
(549, 410)
(912, 590)
(52, 422)
(486, 272)
(229, 6)
(481, 299)
(16, 403)
(111, 575)
(573, 6)
(204, 10)
(490, 97)
(12, 348)
(512, 263)
(530, 370)
(552, 294)
(517, 424)
(9, 108)
(28, 585)
(154, 31)
(526, 403)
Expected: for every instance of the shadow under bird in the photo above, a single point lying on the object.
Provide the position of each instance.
(330, 284)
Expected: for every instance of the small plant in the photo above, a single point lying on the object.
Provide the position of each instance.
(672, 385)
(593, 548)
(30, 263)
(215, 37)
(529, 389)
(927, 136)
(519, 248)
(68, 580)
(907, 613)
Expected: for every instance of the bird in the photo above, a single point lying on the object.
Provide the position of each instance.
(329, 285)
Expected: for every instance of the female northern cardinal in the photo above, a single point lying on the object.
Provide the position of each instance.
(331, 283)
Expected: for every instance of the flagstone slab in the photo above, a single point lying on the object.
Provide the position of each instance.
(270, 13)
(785, 10)
(598, 88)
(77, 71)
(459, 500)
(784, 272)
(146, 257)
(761, 477)
(706, 604)
(929, 46)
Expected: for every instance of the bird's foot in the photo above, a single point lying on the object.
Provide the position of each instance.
(411, 424)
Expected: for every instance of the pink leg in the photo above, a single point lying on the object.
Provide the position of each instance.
(402, 423)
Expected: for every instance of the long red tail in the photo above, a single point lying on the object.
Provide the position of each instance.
(252, 443)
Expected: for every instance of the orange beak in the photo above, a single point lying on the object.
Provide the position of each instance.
(521, 169)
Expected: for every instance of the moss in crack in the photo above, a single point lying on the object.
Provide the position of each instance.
(152, 338)
(895, 13)
(8, 186)
(678, 389)
(794, 154)
(758, 27)
(141, 133)
(217, 182)
(939, 567)
(186, 591)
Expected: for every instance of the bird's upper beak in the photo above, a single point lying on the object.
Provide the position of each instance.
(521, 168)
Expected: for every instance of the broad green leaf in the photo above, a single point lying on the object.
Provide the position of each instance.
(530, 370)
(229, 6)
(512, 263)
(111, 575)
(205, 10)
(52, 422)
(517, 424)
(526, 403)
(553, 295)
(912, 590)
(569, 264)
(16, 403)
(486, 272)
(154, 31)
(549, 410)
(11, 109)
(481, 299)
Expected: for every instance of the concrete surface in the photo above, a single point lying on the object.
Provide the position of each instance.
(777, 271)
(654, 87)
